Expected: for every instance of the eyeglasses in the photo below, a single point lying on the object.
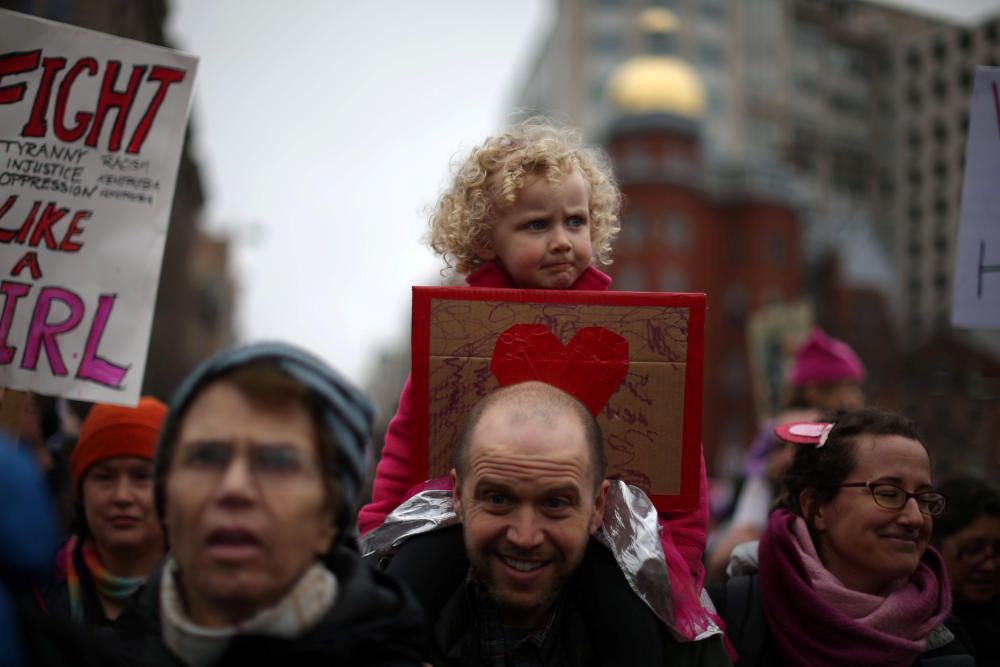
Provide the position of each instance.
(891, 497)
(976, 551)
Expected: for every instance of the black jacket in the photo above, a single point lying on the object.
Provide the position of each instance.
(374, 621)
(602, 622)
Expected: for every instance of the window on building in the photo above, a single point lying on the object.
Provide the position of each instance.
(965, 78)
(939, 50)
(845, 104)
(915, 176)
(673, 279)
(711, 54)
(677, 165)
(801, 150)
(914, 213)
(775, 250)
(858, 65)
(940, 169)
(678, 231)
(939, 131)
(888, 186)
(914, 250)
(598, 90)
(713, 8)
(633, 230)
(736, 252)
(838, 60)
(992, 32)
(636, 158)
(965, 39)
(850, 170)
(913, 139)
(940, 88)
(716, 102)
(914, 59)
(773, 294)
(736, 302)
(734, 376)
(629, 279)
(607, 43)
(941, 206)
(806, 83)
(914, 98)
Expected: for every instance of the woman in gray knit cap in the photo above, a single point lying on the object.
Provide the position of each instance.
(257, 473)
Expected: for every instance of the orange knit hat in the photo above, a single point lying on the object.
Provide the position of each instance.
(115, 430)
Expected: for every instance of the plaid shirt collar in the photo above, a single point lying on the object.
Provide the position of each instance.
(503, 646)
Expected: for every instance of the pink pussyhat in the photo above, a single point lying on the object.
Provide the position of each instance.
(823, 360)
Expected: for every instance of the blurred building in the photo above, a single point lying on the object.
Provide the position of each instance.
(195, 299)
(931, 92)
(950, 379)
(689, 227)
(952, 382)
(806, 105)
(804, 84)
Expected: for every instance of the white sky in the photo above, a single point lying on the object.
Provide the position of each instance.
(324, 131)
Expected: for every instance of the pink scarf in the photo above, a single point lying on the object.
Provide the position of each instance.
(817, 621)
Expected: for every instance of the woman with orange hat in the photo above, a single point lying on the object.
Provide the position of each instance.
(117, 538)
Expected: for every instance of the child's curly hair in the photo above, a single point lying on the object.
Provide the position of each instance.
(461, 223)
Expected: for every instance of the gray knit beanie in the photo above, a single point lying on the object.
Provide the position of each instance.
(348, 414)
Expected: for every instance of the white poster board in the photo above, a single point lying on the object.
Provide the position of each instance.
(976, 300)
(91, 131)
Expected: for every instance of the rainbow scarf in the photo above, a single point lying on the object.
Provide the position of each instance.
(108, 585)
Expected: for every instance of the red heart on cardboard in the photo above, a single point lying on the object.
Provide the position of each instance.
(590, 367)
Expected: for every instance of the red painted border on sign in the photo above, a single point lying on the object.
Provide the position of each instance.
(423, 297)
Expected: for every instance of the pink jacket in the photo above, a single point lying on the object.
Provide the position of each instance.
(683, 534)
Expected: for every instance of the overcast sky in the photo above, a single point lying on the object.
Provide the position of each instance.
(325, 128)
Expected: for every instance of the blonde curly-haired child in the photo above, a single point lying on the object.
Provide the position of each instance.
(530, 208)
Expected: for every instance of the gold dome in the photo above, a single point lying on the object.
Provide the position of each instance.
(649, 84)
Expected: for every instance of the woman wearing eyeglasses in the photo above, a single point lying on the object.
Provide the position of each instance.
(842, 574)
(968, 535)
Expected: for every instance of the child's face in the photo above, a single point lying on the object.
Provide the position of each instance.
(543, 238)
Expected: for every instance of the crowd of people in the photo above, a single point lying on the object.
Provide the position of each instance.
(229, 527)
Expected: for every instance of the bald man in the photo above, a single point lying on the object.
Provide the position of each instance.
(533, 587)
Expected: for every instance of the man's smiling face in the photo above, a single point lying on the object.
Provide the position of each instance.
(528, 504)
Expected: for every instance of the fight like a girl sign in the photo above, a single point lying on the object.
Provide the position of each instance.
(91, 131)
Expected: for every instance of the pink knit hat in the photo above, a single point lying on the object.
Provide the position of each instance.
(823, 360)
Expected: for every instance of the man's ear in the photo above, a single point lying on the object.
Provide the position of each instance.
(456, 493)
(600, 499)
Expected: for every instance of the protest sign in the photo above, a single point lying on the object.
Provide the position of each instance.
(635, 359)
(976, 296)
(774, 334)
(91, 131)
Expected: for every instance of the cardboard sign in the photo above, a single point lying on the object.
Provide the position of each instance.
(91, 130)
(774, 334)
(652, 419)
(976, 297)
